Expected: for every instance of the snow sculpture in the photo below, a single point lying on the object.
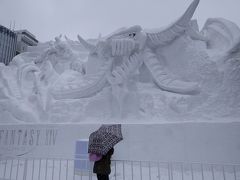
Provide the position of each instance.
(175, 73)
(124, 52)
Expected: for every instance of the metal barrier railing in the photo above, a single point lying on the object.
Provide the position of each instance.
(69, 169)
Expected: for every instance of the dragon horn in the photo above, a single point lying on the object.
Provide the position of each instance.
(87, 45)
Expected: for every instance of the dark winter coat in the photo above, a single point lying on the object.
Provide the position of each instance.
(103, 166)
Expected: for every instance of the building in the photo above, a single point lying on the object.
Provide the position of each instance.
(8, 45)
(14, 42)
(25, 39)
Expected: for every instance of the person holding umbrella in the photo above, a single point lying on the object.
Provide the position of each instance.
(102, 167)
(101, 143)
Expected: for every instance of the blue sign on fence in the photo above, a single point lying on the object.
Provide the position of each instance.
(82, 163)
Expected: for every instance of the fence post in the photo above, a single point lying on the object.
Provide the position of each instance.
(224, 175)
(60, 169)
(202, 172)
(25, 170)
(182, 171)
(39, 170)
(141, 169)
(149, 170)
(171, 170)
(169, 177)
(17, 169)
(11, 169)
(53, 169)
(67, 170)
(115, 168)
(5, 169)
(235, 174)
(46, 169)
(192, 172)
(213, 176)
(123, 170)
(33, 169)
(132, 169)
(159, 173)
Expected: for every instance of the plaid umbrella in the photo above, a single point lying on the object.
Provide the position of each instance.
(102, 140)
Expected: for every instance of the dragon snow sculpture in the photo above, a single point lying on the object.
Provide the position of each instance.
(126, 51)
(160, 74)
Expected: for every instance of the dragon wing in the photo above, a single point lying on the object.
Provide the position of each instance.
(163, 37)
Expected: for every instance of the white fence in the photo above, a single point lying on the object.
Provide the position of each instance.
(65, 169)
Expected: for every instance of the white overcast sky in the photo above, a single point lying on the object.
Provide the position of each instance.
(49, 18)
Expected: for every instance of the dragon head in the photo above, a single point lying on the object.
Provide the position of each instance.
(123, 42)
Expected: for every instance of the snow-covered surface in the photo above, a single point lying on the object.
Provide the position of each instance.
(146, 149)
(174, 142)
(131, 76)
